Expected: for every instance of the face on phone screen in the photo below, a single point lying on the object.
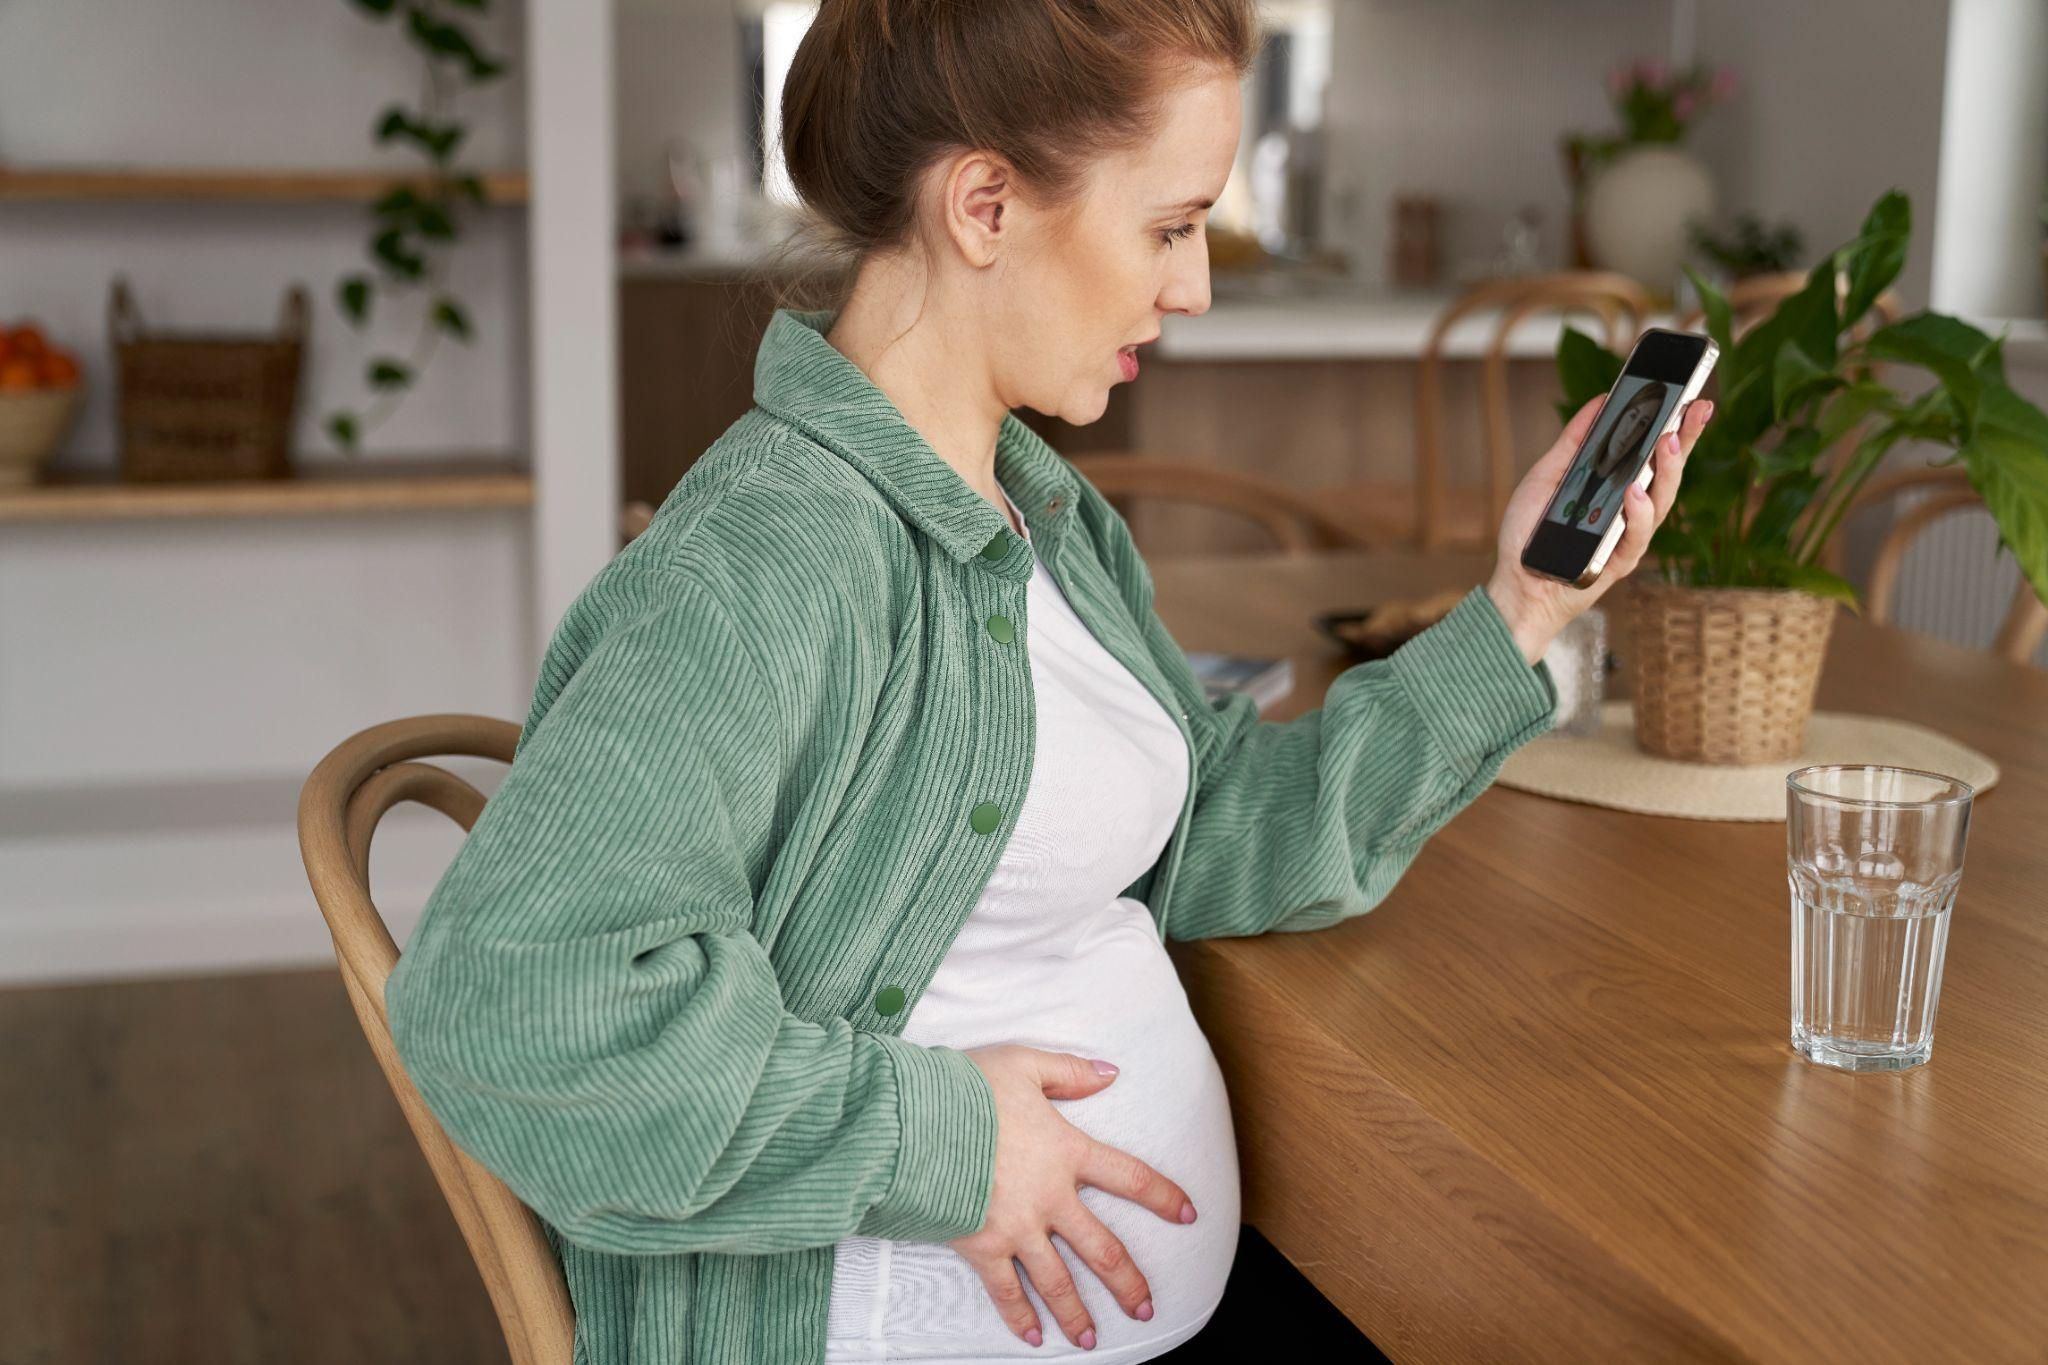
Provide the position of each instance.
(1591, 492)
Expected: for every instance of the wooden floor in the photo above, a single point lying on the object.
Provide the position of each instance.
(211, 1169)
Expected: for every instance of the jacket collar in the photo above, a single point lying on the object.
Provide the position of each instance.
(803, 379)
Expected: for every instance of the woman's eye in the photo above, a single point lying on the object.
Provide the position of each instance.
(1171, 235)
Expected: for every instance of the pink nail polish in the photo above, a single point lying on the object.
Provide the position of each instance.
(1103, 1068)
(1187, 1213)
(1035, 1337)
(1144, 1313)
(1087, 1339)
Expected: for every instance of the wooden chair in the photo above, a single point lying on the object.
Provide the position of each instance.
(1948, 491)
(339, 808)
(1291, 518)
(636, 517)
(1429, 512)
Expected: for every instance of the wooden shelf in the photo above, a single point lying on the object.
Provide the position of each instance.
(371, 484)
(56, 184)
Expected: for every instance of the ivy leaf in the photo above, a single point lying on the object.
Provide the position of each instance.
(448, 315)
(398, 203)
(394, 123)
(390, 249)
(354, 295)
(342, 427)
(434, 222)
(387, 373)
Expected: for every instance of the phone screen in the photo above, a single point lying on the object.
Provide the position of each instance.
(1613, 452)
(1586, 504)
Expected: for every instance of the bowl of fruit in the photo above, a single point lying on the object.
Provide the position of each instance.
(39, 397)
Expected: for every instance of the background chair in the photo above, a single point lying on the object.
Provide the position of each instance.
(339, 807)
(1942, 492)
(1430, 512)
(1293, 520)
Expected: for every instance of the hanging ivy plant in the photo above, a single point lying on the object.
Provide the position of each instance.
(415, 229)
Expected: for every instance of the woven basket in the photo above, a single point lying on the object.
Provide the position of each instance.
(1722, 675)
(206, 406)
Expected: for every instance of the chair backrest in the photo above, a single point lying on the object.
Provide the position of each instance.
(634, 518)
(1619, 301)
(1290, 518)
(339, 807)
(1949, 491)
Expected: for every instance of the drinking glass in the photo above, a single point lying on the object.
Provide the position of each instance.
(1874, 856)
(1577, 657)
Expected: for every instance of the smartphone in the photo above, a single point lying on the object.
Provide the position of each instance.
(1582, 523)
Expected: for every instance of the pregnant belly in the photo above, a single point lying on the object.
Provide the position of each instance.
(1117, 998)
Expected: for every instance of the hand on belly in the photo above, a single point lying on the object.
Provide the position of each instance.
(1042, 1161)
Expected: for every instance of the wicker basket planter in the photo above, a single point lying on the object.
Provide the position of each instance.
(1722, 675)
(206, 405)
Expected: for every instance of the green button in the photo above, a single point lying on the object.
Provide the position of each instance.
(1000, 627)
(986, 817)
(889, 999)
(996, 548)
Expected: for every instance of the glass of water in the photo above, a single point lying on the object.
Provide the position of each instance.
(1874, 856)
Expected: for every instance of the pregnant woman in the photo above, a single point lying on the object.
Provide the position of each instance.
(806, 975)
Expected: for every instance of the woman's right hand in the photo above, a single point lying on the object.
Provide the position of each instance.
(1041, 1163)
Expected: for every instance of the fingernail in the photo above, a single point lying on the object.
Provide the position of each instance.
(1710, 411)
(1103, 1068)
(1087, 1339)
(1187, 1213)
(1035, 1337)
(1144, 1313)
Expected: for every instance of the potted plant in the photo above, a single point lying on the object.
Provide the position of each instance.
(1638, 193)
(1727, 631)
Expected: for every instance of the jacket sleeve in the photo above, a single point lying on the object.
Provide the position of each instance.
(1300, 824)
(586, 1010)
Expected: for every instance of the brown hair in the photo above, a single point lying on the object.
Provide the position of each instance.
(880, 89)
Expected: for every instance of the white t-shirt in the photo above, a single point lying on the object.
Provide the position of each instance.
(1052, 957)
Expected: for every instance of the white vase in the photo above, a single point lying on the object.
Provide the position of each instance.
(1637, 209)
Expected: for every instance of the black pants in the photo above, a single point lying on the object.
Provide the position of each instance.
(1271, 1312)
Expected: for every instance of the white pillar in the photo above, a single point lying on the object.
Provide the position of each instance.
(1994, 155)
(574, 277)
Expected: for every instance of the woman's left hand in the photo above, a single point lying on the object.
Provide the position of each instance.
(1537, 608)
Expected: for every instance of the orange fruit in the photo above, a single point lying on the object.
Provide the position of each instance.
(28, 340)
(60, 371)
(19, 376)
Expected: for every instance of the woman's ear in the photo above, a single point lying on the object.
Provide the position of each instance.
(978, 191)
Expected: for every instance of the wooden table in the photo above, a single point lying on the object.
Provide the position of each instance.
(1540, 1103)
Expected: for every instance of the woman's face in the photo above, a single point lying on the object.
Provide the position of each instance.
(1627, 437)
(1077, 289)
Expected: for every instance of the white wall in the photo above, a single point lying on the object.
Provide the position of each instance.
(166, 686)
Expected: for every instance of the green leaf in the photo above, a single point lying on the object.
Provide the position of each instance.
(377, 9)
(1814, 579)
(434, 222)
(388, 373)
(1771, 529)
(448, 315)
(1946, 347)
(354, 295)
(390, 248)
(1875, 258)
(1795, 378)
(400, 202)
(1715, 309)
(1850, 406)
(473, 186)
(1795, 451)
(1585, 368)
(478, 5)
(2007, 460)
(394, 122)
(342, 427)
(483, 69)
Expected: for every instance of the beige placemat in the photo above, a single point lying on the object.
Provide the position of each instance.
(1606, 768)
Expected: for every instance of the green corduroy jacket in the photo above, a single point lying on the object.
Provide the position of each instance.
(774, 752)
